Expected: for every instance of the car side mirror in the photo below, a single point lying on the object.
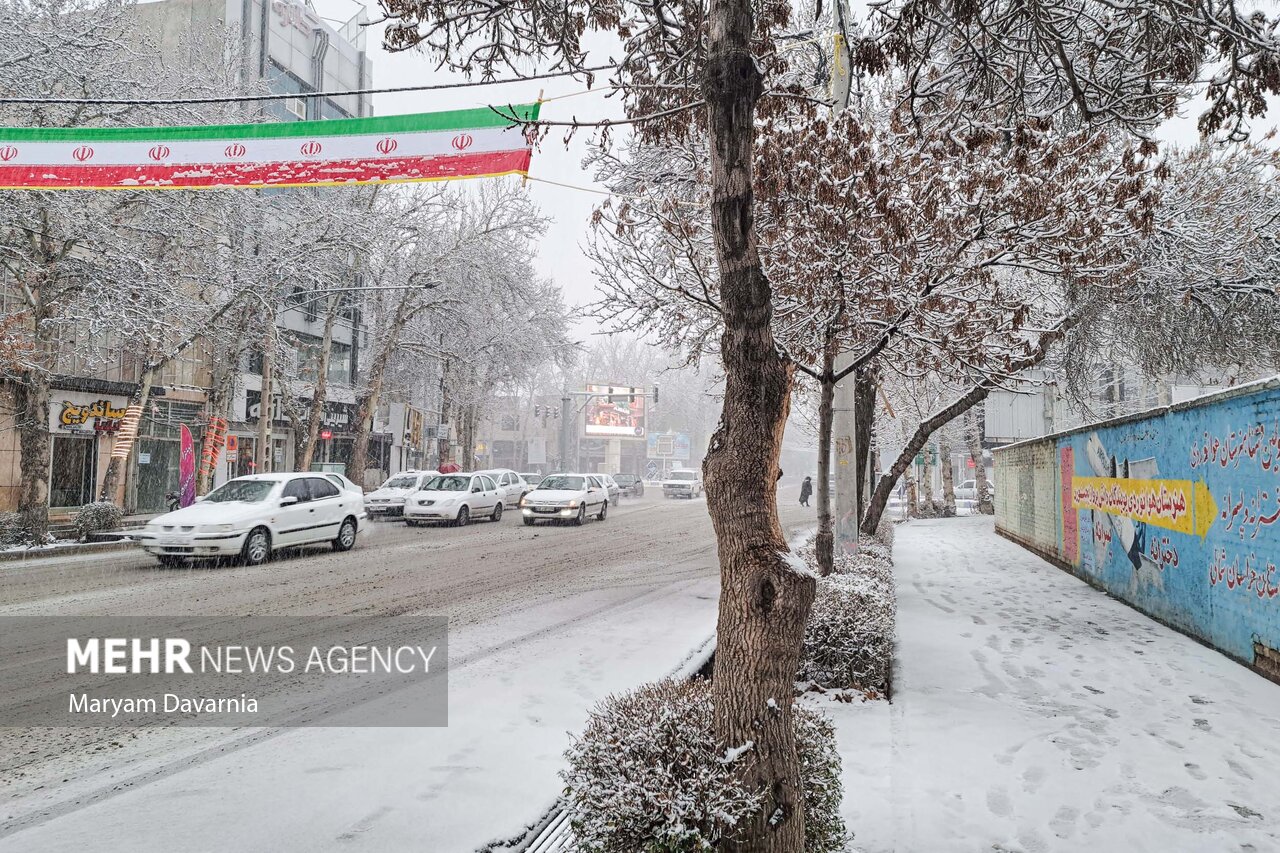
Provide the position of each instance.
(288, 500)
(476, 490)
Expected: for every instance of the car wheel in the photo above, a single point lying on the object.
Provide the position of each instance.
(604, 510)
(497, 512)
(257, 547)
(464, 516)
(581, 516)
(528, 522)
(346, 535)
(169, 561)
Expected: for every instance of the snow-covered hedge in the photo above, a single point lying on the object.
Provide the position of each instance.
(848, 642)
(96, 517)
(647, 775)
(13, 531)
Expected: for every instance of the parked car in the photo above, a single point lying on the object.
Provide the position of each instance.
(251, 517)
(611, 488)
(682, 483)
(388, 499)
(968, 490)
(565, 497)
(631, 485)
(454, 499)
(511, 484)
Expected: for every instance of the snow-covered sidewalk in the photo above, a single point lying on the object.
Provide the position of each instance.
(1034, 713)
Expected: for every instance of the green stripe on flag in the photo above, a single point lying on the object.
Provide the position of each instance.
(472, 119)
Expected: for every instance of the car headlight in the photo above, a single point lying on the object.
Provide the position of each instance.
(396, 500)
(572, 504)
(523, 502)
(218, 528)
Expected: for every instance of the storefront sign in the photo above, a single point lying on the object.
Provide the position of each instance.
(97, 416)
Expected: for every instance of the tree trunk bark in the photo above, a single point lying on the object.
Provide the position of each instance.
(315, 413)
(764, 603)
(864, 397)
(948, 480)
(34, 453)
(973, 438)
(824, 542)
(913, 499)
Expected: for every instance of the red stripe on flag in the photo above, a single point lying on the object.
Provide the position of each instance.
(193, 176)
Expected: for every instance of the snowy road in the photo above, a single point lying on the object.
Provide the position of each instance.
(543, 622)
(1033, 713)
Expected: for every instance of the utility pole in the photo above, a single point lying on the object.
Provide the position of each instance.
(566, 409)
(844, 433)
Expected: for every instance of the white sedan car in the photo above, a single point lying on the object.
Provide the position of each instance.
(454, 499)
(563, 497)
(251, 517)
(388, 499)
(511, 484)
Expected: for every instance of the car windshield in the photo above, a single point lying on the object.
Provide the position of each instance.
(571, 484)
(447, 483)
(245, 491)
(682, 475)
(401, 483)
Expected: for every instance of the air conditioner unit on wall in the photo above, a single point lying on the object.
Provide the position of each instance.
(297, 107)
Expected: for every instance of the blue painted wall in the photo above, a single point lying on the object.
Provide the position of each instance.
(1218, 578)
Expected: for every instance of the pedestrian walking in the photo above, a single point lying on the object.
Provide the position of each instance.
(806, 489)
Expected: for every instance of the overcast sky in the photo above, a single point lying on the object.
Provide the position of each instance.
(560, 257)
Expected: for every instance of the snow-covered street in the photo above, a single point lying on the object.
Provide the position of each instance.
(544, 624)
(1032, 713)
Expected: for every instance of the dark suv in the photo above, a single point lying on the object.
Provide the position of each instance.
(631, 485)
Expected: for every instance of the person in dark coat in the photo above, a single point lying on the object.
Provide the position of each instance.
(806, 489)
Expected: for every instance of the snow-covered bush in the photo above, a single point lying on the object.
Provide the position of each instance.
(848, 642)
(647, 776)
(13, 531)
(96, 517)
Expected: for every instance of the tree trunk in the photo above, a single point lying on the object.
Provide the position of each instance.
(928, 506)
(864, 396)
(265, 409)
(948, 480)
(958, 407)
(764, 603)
(112, 481)
(35, 456)
(973, 438)
(824, 542)
(913, 499)
(315, 413)
(880, 498)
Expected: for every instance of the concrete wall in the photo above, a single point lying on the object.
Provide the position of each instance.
(1175, 511)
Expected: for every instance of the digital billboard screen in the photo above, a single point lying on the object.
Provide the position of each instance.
(617, 413)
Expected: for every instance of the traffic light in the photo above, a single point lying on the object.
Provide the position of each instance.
(655, 395)
(632, 399)
(610, 397)
(537, 411)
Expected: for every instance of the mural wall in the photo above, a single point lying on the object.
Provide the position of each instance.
(1176, 512)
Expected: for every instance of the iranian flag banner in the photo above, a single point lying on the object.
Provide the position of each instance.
(338, 152)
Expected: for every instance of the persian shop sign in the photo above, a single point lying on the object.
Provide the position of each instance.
(99, 416)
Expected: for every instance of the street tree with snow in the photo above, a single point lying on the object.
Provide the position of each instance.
(713, 66)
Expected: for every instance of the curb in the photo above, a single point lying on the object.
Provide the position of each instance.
(66, 550)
